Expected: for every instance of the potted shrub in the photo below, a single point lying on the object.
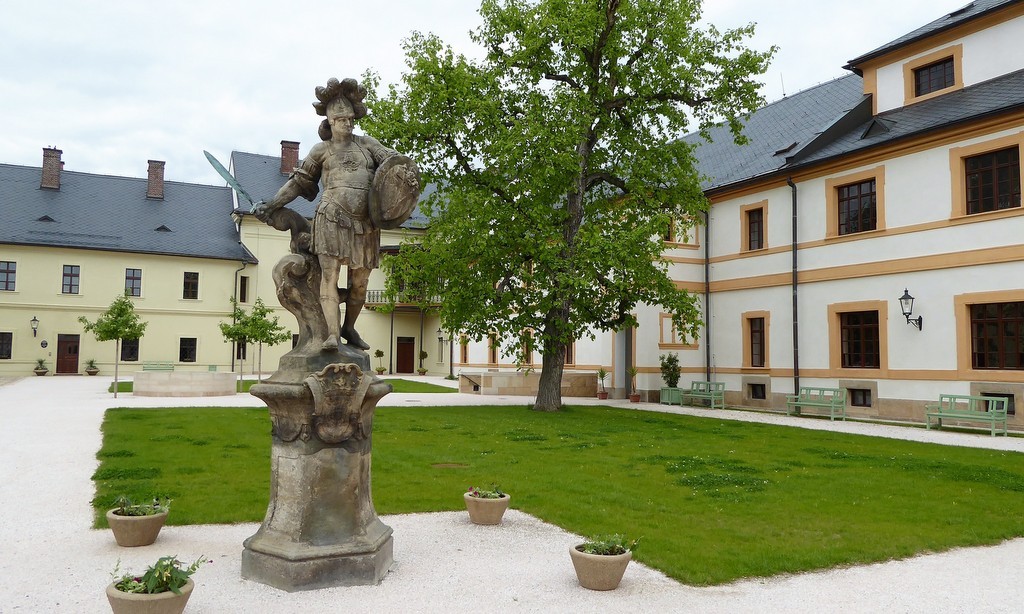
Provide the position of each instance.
(163, 589)
(423, 356)
(600, 562)
(601, 376)
(91, 368)
(137, 524)
(486, 506)
(40, 367)
(670, 394)
(634, 394)
(380, 368)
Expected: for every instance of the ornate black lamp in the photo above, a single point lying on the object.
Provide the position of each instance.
(35, 325)
(907, 306)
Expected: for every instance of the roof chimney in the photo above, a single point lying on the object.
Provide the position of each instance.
(155, 188)
(289, 156)
(52, 166)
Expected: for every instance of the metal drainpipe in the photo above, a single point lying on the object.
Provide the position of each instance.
(707, 294)
(796, 319)
(234, 295)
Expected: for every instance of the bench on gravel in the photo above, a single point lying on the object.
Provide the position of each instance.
(832, 399)
(967, 407)
(158, 366)
(713, 392)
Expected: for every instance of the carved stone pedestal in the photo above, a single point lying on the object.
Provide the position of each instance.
(321, 528)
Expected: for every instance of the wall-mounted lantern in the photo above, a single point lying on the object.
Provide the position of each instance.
(907, 307)
(35, 325)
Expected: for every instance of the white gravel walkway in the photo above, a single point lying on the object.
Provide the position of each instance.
(52, 561)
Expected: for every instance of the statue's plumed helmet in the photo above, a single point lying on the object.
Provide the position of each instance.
(350, 89)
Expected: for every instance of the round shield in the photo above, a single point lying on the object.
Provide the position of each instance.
(394, 193)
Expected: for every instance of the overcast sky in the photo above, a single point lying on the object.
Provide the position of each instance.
(114, 84)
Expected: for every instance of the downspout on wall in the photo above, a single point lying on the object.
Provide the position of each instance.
(796, 319)
(234, 295)
(707, 295)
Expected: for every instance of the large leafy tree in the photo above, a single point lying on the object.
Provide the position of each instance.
(559, 163)
(118, 322)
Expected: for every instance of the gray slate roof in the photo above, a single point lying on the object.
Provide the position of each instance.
(795, 120)
(261, 177)
(968, 12)
(112, 213)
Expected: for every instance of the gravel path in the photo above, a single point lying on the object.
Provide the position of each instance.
(54, 562)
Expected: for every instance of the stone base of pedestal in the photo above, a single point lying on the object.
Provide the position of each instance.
(323, 572)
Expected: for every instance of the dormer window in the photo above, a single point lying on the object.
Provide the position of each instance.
(934, 77)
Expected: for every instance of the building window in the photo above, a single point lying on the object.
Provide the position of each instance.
(755, 229)
(856, 207)
(8, 272)
(934, 77)
(240, 350)
(190, 289)
(130, 350)
(993, 180)
(464, 350)
(243, 289)
(758, 391)
(72, 274)
(860, 397)
(133, 282)
(1010, 409)
(6, 345)
(570, 353)
(756, 340)
(997, 335)
(859, 338)
(492, 349)
(187, 349)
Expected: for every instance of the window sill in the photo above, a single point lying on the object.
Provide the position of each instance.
(966, 218)
(855, 236)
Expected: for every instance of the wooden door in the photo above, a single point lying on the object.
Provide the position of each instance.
(67, 354)
(405, 355)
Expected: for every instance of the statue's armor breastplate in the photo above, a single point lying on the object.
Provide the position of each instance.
(347, 165)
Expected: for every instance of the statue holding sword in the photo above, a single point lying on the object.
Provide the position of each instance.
(366, 187)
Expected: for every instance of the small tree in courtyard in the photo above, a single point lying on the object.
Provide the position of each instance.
(237, 332)
(264, 329)
(118, 322)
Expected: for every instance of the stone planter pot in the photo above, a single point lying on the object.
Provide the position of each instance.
(92, 371)
(634, 398)
(40, 372)
(131, 531)
(602, 395)
(142, 603)
(599, 572)
(486, 511)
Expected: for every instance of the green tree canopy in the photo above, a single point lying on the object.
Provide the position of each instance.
(254, 327)
(118, 322)
(559, 163)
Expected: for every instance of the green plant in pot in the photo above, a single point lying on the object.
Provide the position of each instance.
(40, 368)
(601, 561)
(601, 376)
(137, 524)
(379, 355)
(634, 394)
(670, 394)
(164, 588)
(486, 506)
(423, 356)
(90, 367)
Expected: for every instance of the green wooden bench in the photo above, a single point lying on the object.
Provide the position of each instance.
(713, 392)
(158, 366)
(967, 407)
(832, 399)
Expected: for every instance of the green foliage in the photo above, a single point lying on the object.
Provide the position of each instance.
(608, 545)
(118, 322)
(561, 163)
(254, 327)
(601, 376)
(670, 369)
(167, 574)
(40, 363)
(715, 500)
(125, 507)
(404, 385)
(481, 493)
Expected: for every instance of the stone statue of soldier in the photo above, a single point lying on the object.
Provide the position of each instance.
(344, 230)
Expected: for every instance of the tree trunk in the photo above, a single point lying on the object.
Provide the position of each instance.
(259, 369)
(117, 356)
(549, 390)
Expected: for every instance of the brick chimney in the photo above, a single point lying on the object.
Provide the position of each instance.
(155, 188)
(52, 166)
(289, 156)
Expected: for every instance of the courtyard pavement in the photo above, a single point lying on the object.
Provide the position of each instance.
(53, 561)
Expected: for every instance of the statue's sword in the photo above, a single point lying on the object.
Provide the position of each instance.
(223, 172)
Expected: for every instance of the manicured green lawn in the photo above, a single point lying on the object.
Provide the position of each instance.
(713, 500)
(129, 386)
(405, 385)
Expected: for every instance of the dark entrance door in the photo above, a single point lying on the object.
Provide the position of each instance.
(67, 354)
(405, 354)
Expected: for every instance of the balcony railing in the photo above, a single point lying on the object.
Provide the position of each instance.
(376, 297)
